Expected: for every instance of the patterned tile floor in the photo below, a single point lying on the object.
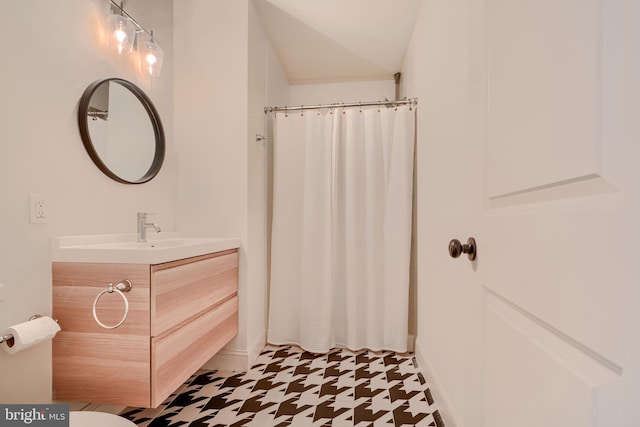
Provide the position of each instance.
(290, 387)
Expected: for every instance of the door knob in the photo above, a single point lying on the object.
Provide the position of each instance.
(456, 248)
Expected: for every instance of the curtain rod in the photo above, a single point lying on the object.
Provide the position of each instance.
(412, 101)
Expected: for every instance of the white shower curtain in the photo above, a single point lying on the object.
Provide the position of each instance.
(341, 233)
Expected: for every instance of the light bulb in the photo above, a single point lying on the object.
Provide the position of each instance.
(120, 35)
(151, 55)
(121, 38)
(151, 60)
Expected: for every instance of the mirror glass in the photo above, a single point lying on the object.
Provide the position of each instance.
(121, 130)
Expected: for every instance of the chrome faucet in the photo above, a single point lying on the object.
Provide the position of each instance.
(143, 225)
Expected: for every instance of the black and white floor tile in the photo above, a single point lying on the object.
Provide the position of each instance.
(290, 387)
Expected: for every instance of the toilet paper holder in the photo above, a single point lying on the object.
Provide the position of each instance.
(10, 337)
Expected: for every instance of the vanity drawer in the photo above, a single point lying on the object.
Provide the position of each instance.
(181, 290)
(176, 355)
(90, 367)
(76, 286)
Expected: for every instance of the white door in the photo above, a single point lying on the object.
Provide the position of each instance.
(558, 257)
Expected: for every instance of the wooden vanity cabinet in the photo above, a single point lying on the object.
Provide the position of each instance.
(181, 313)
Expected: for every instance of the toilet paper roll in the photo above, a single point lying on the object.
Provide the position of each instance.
(30, 333)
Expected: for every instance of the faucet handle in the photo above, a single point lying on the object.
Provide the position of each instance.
(144, 214)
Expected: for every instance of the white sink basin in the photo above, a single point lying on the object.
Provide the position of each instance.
(124, 249)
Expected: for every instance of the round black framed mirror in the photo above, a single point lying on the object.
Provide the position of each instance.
(121, 130)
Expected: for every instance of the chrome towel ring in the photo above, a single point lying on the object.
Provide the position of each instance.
(120, 287)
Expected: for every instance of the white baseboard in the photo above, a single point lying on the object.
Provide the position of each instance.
(444, 402)
(256, 347)
(229, 359)
(411, 344)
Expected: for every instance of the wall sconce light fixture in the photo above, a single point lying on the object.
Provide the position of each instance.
(124, 35)
(151, 56)
(122, 32)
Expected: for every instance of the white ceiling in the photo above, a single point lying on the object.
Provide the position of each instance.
(339, 40)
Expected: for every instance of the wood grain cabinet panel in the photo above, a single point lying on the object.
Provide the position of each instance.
(102, 368)
(177, 355)
(180, 314)
(181, 289)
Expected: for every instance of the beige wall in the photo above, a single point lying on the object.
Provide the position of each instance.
(277, 94)
(331, 93)
(51, 51)
(221, 87)
(257, 187)
(210, 94)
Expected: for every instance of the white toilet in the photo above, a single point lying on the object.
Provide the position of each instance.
(97, 419)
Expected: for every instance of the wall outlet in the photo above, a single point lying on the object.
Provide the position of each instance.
(38, 209)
